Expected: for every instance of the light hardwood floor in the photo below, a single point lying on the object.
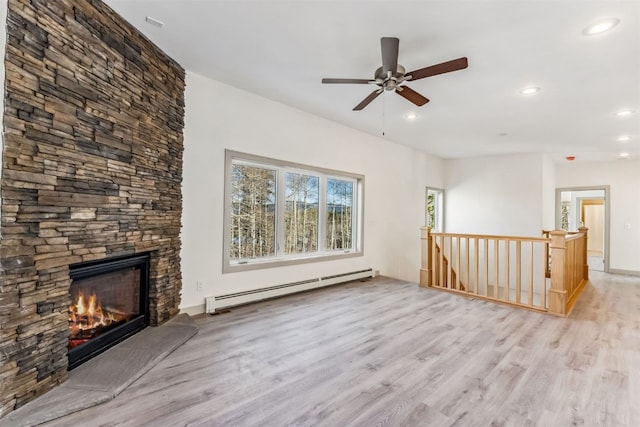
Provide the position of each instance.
(388, 353)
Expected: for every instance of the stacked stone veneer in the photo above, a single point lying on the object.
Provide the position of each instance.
(91, 168)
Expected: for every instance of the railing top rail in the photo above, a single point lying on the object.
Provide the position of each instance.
(574, 236)
(568, 232)
(495, 237)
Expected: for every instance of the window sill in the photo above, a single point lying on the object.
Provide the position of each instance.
(255, 264)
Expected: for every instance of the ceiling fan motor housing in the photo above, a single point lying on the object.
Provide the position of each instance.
(390, 81)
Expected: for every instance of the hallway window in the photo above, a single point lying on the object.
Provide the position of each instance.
(434, 208)
(279, 213)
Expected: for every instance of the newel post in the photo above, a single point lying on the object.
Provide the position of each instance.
(425, 269)
(585, 261)
(558, 292)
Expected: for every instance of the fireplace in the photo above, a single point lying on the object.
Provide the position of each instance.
(109, 302)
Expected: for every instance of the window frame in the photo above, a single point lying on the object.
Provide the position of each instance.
(438, 208)
(281, 259)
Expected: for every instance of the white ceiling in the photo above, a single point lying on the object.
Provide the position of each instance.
(282, 49)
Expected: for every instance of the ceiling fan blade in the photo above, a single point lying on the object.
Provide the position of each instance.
(445, 67)
(355, 81)
(373, 95)
(411, 95)
(389, 54)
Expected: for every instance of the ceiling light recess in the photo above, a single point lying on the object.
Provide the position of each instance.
(411, 115)
(600, 27)
(529, 90)
(625, 112)
(623, 155)
(624, 138)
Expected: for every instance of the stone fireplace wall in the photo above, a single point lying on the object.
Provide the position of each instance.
(92, 168)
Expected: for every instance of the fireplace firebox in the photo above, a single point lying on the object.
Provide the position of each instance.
(109, 303)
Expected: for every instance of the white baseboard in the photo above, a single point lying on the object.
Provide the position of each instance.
(624, 272)
(193, 310)
(276, 291)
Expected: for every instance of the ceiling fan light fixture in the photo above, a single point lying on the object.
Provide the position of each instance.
(529, 90)
(600, 27)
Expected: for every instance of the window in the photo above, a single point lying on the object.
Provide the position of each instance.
(434, 208)
(565, 209)
(279, 213)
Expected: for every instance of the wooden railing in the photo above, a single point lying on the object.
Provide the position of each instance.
(569, 269)
(547, 234)
(507, 269)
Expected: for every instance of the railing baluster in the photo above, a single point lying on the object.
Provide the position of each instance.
(458, 269)
(531, 276)
(496, 272)
(434, 262)
(475, 264)
(544, 279)
(448, 263)
(507, 272)
(486, 267)
(441, 262)
(518, 270)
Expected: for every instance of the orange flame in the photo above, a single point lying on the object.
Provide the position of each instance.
(87, 313)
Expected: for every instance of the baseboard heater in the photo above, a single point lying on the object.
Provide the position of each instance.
(230, 300)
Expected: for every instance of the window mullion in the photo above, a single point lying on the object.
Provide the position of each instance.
(280, 210)
(322, 215)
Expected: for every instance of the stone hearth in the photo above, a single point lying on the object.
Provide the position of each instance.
(91, 168)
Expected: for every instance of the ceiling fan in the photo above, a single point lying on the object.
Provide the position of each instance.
(391, 75)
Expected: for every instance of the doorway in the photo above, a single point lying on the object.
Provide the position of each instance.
(592, 216)
(588, 206)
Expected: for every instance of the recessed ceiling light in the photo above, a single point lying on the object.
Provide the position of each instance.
(411, 115)
(625, 112)
(529, 90)
(154, 22)
(601, 26)
(624, 138)
(623, 155)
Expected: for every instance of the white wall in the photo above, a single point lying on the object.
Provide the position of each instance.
(220, 117)
(624, 178)
(500, 195)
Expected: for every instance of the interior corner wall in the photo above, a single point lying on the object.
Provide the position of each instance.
(623, 177)
(220, 117)
(499, 195)
(3, 44)
(548, 193)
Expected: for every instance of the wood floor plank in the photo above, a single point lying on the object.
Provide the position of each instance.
(388, 353)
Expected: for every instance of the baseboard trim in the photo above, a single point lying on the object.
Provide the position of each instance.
(624, 272)
(193, 310)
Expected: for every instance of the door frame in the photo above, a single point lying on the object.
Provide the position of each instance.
(607, 213)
